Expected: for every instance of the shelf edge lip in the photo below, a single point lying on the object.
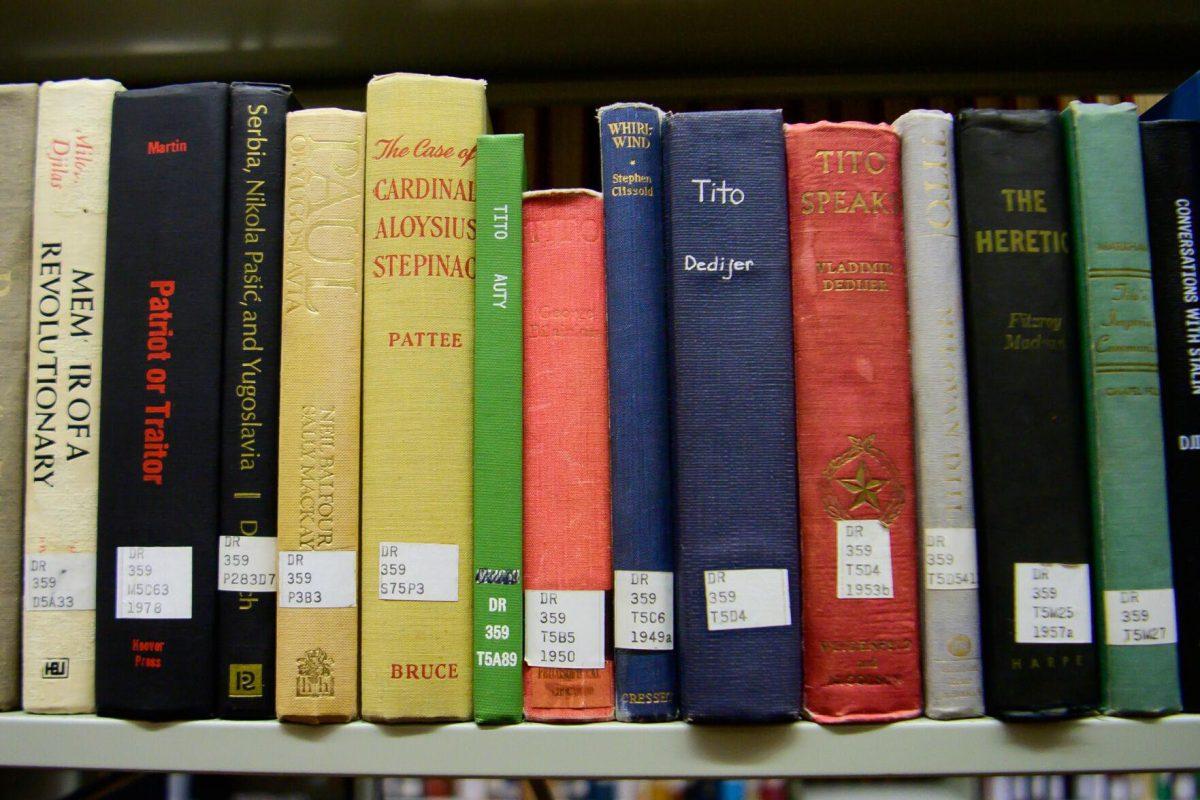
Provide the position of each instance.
(920, 747)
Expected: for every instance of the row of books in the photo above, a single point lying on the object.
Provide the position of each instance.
(375, 433)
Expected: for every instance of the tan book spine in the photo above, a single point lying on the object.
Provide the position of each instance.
(319, 402)
(18, 133)
(418, 347)
(62, 456)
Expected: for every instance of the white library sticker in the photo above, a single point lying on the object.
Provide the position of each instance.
(154, 583)
(60, 582)
(1140, 617)
(864, 561)
(246, 564)
(950, 561)
(644, 609)
(318, 579)
(746, 598)
(1053, 604)
(564, 628)
(418, 571)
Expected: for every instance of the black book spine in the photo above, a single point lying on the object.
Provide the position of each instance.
(1026, 403)
(1171, 160)
(246, 582)
(160, 403)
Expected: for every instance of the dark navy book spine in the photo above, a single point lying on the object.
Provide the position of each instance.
(161, 400)
(733, 417)
(250, 401)
(639, 417)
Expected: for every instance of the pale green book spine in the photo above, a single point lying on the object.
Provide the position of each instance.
(1134, 597)
(499, 616)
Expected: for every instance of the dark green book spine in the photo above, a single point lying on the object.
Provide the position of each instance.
(500, 180)
(1135, 601)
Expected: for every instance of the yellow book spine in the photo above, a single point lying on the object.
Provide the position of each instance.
(418, 346)
(319, 401)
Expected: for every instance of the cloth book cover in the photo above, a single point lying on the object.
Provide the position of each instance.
(854, 424)
(246, 576)
(1026, 408)
(949, 578)
(316, 653)
(62, 424)
(418, 346)
(732, 400)
(1133, 585)
(18, 137)
(1182, 102)
(499, 612)
(639, 417)
(1171, 163)
(159, 443)
(568, 544)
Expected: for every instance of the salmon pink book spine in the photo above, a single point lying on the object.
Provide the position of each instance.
(853, 424)
(568, 541)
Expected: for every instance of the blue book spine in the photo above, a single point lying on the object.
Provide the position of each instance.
(639, 421)
(733, 417)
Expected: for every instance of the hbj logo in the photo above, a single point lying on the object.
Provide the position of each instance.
(56, 668)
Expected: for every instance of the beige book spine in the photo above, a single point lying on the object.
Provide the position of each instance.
(18, 132)
(66, 321)
(319, 401)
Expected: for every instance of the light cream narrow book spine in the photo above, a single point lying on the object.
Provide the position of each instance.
(66, 321)
(319, 402)
(418, 404)
(18, 134)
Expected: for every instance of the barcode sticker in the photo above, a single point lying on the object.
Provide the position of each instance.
(864, 560)
(246, 564)
(154, 583)
(1053, 604)
(60, 582)
(418, 571)
(746, 598)
(644, 609)
(318, 579)
(564, 629)
(1140, 617)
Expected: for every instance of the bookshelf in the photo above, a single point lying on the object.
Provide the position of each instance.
(608, 750)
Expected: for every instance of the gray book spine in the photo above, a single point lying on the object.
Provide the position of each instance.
(946, 515)
(18, 116)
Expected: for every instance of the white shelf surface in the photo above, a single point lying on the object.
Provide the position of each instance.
(606, 750)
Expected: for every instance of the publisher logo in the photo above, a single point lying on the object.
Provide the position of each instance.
(315, 674)
(245, 680)
(56, 668)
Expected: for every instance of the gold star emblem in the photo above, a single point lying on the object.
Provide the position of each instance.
(864, 488)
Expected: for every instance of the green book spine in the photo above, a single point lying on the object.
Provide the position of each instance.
(1134, 595)
(499, 620)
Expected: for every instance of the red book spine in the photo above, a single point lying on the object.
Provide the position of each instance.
(568, 541)
(853, 424)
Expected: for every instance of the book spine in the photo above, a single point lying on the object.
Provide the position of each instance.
(1024, 375)
(1138, 661)
(499, 613)
(418, 346)
(639, 421)
(1171, 162)
(568, 544)
(18, 138)
(159, 463)
(62, 457)
(316, 652)
(854, 423)
(246, 575)
(733, 417)
(950, 648)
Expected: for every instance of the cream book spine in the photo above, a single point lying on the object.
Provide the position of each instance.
(66, 318)
(316, 663)
(18, 133)
(418, 348)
